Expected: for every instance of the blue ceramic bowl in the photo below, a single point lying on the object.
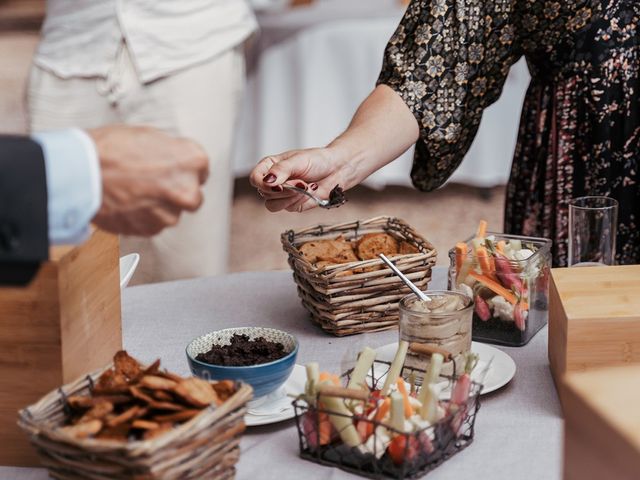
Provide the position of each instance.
(264, 377)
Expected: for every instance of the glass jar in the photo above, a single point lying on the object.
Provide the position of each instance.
(509, 285)
(449, 331)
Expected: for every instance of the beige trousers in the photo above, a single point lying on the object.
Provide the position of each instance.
(201, 103)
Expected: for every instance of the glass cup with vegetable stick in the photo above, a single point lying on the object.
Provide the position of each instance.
(508, 278)
(439, 325)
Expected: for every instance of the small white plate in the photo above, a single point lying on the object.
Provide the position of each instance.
(502, 369)
(128, 265)
(276, 406)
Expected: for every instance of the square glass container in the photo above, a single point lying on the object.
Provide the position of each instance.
(509, 287)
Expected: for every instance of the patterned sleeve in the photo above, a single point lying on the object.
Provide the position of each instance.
(448, 60)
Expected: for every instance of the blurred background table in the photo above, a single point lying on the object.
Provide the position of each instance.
(309, 69)
(518, 428)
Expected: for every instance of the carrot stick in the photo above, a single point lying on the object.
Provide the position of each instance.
(383, 410)
(484, 261)
(324, 428)
(461, 253)
(498, 289)
(330, 377)
(408, 410)
(500, 246)
(482, 229)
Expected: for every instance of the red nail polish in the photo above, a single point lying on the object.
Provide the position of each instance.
(313, 186)
(269, 178)
(301, 185)
(277, 188)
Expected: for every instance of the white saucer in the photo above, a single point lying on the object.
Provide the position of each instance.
(501, 371)
(276, 407)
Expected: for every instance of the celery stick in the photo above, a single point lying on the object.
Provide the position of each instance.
(515, 244)
(359, 374)
(396, 366)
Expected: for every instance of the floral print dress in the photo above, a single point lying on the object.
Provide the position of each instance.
(580, 127)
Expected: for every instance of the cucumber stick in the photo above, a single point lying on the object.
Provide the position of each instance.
(341, 418)
(396, 366)
(359, 374)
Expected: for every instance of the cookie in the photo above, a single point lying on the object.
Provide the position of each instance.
(330, 251)
(344, 252)
(407, 248)
(317, 251)
(373, 244)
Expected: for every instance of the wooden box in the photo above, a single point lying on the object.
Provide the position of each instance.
(594, 318)
(64, 324)
(602, 424)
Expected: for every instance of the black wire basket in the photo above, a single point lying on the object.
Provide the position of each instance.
(419, 451)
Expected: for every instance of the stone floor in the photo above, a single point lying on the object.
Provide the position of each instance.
(443, 217)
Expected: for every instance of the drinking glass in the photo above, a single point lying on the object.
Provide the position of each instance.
(592, 231)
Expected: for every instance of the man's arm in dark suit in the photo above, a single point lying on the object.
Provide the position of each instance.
(24, 232)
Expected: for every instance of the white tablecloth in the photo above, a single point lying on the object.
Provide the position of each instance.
(518, 429)
(312, 66)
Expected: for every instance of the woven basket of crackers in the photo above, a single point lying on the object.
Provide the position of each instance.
(130, 421)
(343, 283)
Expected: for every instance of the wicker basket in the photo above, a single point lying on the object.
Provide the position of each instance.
(204, 447)
(345, 303)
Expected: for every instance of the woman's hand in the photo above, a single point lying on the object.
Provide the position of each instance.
(317, 170)
(381, 130)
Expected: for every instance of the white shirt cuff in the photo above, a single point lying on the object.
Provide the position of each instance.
(74, 184)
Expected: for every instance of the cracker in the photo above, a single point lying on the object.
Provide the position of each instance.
(145, 424)
(177, 417)
(97, 412)
(80, 402)
(169, 375)
(111, 382)
(162, 396)
(196, 392)
(156, 432)
(126, 365)
(166, 406)
(137, 392)
(119, 433)
(129, 414)
(224, 389)
(155, 382)
(83, 430)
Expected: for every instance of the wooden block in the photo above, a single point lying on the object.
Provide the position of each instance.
(64, 324)
(594, 318)
(602, 424)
